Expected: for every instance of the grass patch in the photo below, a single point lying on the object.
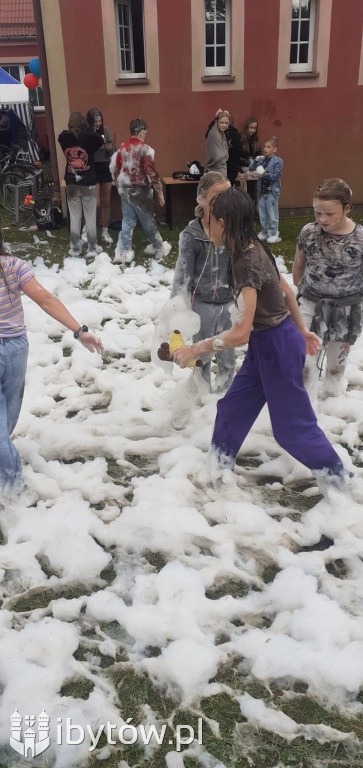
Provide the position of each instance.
(40, 597)
(232, 587)
(155, 559)
(134, 691)
(77, 688)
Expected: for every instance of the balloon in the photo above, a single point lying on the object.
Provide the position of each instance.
(31, 81)
(34, 66)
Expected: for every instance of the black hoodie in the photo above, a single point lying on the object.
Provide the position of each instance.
(79, 152)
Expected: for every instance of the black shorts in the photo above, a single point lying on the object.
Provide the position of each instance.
(103, 174)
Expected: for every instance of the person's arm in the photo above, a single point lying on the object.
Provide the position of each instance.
(152, 175)
(298, 267)
(53, 307)
(311, 340)
(108, 142)
(238, 335)
(185, 266)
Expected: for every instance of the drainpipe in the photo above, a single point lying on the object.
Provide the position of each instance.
(46, 94)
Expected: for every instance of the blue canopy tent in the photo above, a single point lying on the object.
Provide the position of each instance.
(14, 102)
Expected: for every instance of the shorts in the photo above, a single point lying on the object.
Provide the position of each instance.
(103, 174)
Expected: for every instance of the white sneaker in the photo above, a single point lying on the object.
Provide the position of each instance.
(106, 236)
(74, 251)
(261, 236)
(274, 239)
(84, 234)
(164, 249)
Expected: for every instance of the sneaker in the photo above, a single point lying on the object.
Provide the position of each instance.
(74, 251)
(106, 236)
(261, 236)
(119, 258)
(92, 252)
(274, 239)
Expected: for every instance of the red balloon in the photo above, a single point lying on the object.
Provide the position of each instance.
(31, 81)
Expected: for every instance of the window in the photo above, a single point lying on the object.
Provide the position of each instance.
(18, 72)
(217, 35)
(130, 38)
(302, 35)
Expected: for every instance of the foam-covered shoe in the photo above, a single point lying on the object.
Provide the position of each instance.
(106, 237)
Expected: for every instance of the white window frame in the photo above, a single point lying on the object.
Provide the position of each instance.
(22, 73)
(226, 70)
(308, 66)
(128, 73)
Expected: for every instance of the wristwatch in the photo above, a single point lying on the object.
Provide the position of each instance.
(81, 329)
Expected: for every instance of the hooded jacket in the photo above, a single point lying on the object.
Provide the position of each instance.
(80, 152)
(201, 269)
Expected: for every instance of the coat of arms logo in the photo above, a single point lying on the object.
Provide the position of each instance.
(29, 746)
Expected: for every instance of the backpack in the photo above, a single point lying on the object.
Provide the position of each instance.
(45, 215)
(194, 173)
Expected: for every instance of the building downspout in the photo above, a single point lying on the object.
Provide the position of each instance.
(46, 94)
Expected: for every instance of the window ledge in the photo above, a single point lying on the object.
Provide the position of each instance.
(301, 75)
(132, 81)
(218, 79)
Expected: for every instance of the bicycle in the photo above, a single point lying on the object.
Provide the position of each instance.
(17, 174)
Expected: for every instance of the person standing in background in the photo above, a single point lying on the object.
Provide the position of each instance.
(102, 166)
(80, 145)
(133, 170)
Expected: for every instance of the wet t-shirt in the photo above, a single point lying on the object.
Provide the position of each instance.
(333, 262)
(256, 269)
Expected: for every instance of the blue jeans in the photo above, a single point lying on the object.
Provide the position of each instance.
(13, 359)
(268, 211)
(138, 203)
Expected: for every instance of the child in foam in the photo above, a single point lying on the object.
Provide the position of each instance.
(328, 272)
(133, 170)
(268, 167)
(16, 276)
(272, 371)
(201, 276)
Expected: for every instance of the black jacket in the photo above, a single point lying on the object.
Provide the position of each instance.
(79, 152)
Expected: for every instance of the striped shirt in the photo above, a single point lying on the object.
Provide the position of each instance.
(17, 273)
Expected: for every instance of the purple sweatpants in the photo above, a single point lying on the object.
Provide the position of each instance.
(272, 372)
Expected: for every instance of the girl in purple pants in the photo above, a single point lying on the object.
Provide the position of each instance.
(272, 372)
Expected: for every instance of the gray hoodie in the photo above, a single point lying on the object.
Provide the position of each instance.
(201, 269)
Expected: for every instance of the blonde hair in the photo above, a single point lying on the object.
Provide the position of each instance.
(273, 140)
(207, 181)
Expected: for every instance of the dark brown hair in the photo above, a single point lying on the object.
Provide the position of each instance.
(91, 116)
(248, 140)
(334, 189)
(237, 210)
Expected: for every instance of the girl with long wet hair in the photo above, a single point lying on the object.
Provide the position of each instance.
(270, 322)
